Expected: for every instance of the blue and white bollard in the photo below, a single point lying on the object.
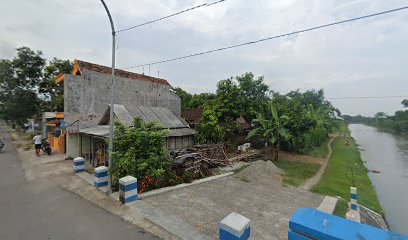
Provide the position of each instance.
(127, 189)
(235, 227)
(101, 177)
(78, 164)
(353, 200)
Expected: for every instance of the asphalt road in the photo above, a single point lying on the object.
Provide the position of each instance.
(42, 210)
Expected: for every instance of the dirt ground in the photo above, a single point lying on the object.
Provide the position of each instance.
(256, 192)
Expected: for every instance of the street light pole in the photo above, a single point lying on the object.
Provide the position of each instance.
(110, 148)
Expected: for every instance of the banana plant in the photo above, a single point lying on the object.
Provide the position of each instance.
(271, 129)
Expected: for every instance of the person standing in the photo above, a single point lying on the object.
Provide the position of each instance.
(37, 144)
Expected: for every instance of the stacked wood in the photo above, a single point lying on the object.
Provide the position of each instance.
(201, 160)
(212, 151)
(202, 166)
(249, 156)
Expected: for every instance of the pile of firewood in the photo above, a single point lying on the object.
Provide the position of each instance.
(201, 166)
(212, 151)
(249, 156)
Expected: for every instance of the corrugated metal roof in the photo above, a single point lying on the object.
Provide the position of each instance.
(100, 130)
(161, 115)
(103, 131)
(123, 114)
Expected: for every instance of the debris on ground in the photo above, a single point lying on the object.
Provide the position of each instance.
(249, 156)
(261, 171)
(200, 159)
(244, 147)
(212, 151)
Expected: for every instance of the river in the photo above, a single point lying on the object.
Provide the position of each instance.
(388, 153)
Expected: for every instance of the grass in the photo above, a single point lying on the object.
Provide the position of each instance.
(336, 181)
(341, 208)
(320, 151)
(297, 172)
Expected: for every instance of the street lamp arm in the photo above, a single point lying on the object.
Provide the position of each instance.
(110, 17)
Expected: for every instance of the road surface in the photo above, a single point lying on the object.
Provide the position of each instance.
(43, 210)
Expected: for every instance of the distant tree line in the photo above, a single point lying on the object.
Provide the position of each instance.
(307, 120)
(27, 85)
(397, 122)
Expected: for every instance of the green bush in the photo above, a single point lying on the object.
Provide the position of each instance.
(139, 151)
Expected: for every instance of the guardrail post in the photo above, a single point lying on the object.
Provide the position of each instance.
(353, 198)
(78, 165)
(127, 189)
(101, 177)
(235, 226)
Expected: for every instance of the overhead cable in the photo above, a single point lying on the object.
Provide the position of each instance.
(367, 97)
(171, 15)
(273, 37)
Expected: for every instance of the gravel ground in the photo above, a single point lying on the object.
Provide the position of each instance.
(256, 192)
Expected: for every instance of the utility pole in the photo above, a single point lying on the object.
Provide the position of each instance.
(110, 148)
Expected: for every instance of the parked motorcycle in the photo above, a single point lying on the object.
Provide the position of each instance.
(45, 146)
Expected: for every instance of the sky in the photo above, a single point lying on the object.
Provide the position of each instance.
(363, 58)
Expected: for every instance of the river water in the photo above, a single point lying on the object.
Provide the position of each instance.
(389, 154)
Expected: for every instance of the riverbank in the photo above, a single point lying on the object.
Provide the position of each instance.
(345, 166)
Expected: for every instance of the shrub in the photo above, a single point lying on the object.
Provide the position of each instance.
(139, 151)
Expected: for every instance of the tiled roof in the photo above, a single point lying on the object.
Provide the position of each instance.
(192, 114)
(119, 73)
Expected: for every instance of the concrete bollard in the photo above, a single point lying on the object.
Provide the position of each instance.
(353, 199)
(235, 226)
(127, 189)
(101, 177)
(78, 165)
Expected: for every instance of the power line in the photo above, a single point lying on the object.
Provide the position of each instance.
(273, 37)
(367, 97)
(171, 15)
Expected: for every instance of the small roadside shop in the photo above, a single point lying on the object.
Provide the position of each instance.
(53, 130)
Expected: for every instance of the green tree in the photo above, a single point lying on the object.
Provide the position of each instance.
(404, 103)
(253, 94)
(18, 105)
(209, 129)
(28, 65)
(243, 95)
(19, 81)
(185, 97)
(49, 88)
(139, 151)
(271, 129)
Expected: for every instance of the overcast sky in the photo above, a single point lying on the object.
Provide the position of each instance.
(364, 58)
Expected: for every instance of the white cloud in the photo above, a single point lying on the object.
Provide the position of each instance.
(367, 57)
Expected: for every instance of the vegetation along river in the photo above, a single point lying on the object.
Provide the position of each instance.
(387, 153)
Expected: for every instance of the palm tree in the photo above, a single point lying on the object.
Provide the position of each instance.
(271, 130)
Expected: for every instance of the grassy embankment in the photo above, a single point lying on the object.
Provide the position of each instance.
(336, 181)
(297, 172)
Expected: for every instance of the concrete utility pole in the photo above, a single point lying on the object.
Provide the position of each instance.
(110, 148)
